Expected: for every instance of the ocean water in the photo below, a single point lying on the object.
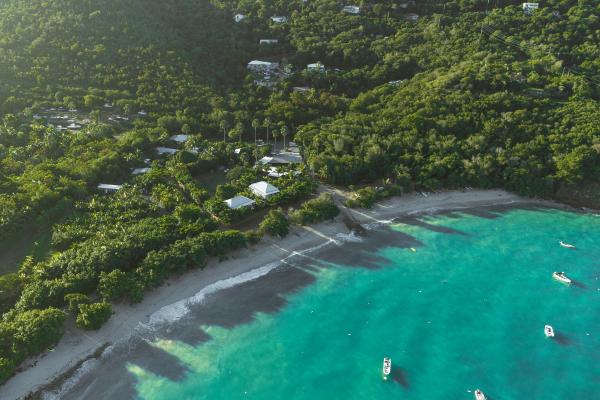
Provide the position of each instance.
(466, 310)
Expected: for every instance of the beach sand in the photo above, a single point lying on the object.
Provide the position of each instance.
(158, 305)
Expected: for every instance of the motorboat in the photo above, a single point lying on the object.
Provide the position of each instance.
(561, 277)
(479, 395)
(548, 331)
(387, 368)
(567, 245)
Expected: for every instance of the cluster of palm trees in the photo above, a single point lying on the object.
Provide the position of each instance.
(237, 131)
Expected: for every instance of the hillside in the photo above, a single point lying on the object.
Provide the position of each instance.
(152, 54)
(156, 98)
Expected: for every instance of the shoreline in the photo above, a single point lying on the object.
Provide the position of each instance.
(52, 368)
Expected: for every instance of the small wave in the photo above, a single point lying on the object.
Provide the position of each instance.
(86, 367)
(178, 310)
(351, 237)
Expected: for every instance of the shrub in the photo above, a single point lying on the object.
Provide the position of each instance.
(275, 224)
(93, 316)
(316, 210)
(113, 285)
(74, 300)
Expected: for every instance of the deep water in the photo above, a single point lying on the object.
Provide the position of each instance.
(466, 310)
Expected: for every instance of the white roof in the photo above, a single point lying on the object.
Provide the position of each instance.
(265, 160)
(263, 188)
(262, 63)
(267, 41)
(179, 138)
(138, 171)
(106, 186)
(166, 150)
(316, 65)
(351, 9)
(279, 18)
(239, 202)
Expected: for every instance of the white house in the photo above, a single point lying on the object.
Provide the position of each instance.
(139, 171)
(301, 89)
(179, 138)
(529, 8)
(282, 159)
(317, 67)
(263, 189)
(257, 65)
(239, 17)
(166, 150)
(108, 188)
(278, 19)
(268, 41)
(239, 202)
(351, 10)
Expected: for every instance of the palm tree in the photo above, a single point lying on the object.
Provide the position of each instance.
(224, 125)
(284, 132)
(275, 134)
(239, 127)
(267, 124)
(255, 125)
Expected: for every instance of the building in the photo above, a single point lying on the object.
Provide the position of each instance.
(278, 19)
(286, 158)
(301, 89)
(351, 10)
(179, 138)
(268, 41)
(239, 17)
(165, 150)
(108, 188)
(262, 66)
(529, 8)
(316, 67)
(139, 171)
(411, 17)
(263, 189)
(239, 202)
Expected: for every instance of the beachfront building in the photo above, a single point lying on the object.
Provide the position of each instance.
(351, 10)
(287, 158)
(108, 188)
(179, 138)
(165, 150)
(529, 8)
(315, 67)
(262, 66)
(278, 19)
(239, 17)
(239, 202)
(268, 41)
(263, 189)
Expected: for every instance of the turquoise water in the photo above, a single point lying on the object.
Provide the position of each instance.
(464, 311)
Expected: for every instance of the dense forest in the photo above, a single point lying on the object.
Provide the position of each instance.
(401, 94)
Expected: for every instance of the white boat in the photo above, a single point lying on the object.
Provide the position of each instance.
(387, 368)
(479, 395)
(561, 277)
(548, 331)
(566, 245)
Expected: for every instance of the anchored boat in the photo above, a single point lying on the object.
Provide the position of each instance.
(567, 245)
(479, 395)
(387, 368)
(561, 277)
(548, 331)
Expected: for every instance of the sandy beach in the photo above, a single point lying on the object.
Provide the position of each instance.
(242, 266)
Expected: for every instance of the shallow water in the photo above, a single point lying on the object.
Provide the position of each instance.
(465, 310)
